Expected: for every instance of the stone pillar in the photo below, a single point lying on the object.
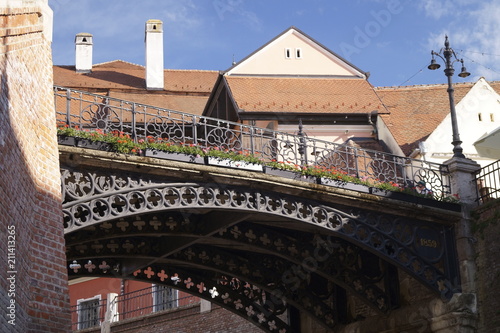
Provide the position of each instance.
(459, 317)
(33, 276)
(463, 172)
(456, 315)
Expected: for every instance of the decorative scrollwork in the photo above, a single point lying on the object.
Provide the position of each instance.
(224, 138)
(433, 182)
(82, 185)
(165, 128)
(99, 115)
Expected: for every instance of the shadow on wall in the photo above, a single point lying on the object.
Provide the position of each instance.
(32, 270)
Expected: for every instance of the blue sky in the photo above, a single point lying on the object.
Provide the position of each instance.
(391, 39)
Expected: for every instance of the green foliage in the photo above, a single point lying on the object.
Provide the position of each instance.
(232, 154)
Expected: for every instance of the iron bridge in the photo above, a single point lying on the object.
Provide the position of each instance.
(262, 247)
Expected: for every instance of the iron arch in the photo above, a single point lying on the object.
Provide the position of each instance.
(303, 257)
(91, 198)
(249, 302)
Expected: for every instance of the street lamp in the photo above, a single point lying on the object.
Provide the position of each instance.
(447, 54)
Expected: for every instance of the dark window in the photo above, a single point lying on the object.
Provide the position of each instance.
(88, 313)
(164, 298)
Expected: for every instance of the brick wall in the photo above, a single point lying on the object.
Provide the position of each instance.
(486, 226)
(185, 320)
(35, 285)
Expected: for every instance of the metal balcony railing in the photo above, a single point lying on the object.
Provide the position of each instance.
(92, 312)
(488, 183)
(94, 111)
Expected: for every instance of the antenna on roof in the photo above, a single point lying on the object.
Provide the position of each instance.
(234, 62)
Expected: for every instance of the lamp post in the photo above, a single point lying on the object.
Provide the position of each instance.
(449, 57)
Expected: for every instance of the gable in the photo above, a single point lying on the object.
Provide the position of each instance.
(416, 111)
(294, 53)
(478, 112)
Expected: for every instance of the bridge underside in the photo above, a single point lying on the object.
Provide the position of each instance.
(265, 255)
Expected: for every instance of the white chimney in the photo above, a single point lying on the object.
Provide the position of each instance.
(154, 55)
(83, 50)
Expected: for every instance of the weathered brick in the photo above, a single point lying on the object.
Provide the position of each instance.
(29, 176)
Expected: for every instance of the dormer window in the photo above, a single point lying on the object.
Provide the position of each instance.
(288, 53)
(298, 53)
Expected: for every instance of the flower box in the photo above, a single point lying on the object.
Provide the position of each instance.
(289, 174)
(453, 206)
(344, 185)
(97, 145)
(393, 194)
(66, 140)
(210, 160)
(174, 156)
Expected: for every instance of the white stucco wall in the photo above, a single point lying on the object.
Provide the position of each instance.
(477, 113)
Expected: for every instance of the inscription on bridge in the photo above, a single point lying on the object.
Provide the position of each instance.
(428, 243)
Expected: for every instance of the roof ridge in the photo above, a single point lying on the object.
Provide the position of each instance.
(429, 85)
(117, 60)
(191, 70)
(295, 77)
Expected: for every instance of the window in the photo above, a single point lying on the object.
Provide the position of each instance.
(88, 312)
(480, 117)
(164, 298)
(492, 117)
(298, 53)
(288, 53)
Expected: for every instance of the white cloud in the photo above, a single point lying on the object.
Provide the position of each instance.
(474, 36)
(437, 8)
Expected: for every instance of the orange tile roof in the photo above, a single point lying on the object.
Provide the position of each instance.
(119, 74)
(416, 111)
(185, 90)
(187, 104)
(495, 85)
(304, 94)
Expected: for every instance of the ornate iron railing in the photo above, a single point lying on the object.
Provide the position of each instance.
(95, 111)
(128, 305)
(488, 183)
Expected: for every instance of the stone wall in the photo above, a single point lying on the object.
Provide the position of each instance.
(486, 227)
(33, 278)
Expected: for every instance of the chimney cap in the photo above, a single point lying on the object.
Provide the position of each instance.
(83, 38)
(153, 25)
(84, 34)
